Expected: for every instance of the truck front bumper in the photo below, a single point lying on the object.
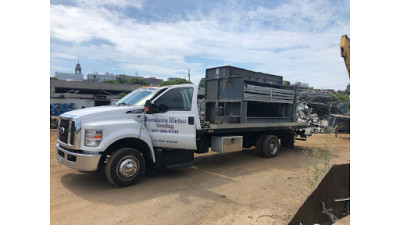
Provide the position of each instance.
(77, 160)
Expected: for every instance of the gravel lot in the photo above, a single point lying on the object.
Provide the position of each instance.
(234, 188)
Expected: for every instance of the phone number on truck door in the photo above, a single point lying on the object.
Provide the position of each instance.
(165, 131)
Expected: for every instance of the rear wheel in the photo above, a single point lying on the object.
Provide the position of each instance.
(258, 145)
(125, 167)
(270, 146)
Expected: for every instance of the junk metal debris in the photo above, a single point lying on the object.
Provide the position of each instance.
(323, 112)
(328, 213)
(334, 191)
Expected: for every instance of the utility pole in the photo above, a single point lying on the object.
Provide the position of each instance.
(189, 74)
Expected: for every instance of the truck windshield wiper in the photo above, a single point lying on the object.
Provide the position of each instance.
(122, 103)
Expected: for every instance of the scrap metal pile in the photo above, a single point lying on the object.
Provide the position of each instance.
(317, 109)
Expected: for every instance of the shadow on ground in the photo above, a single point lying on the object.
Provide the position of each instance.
(207, 172)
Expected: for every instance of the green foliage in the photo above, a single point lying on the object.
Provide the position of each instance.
(121, 80)
(202, 83)
(139, 81)
(53, 78)
(286, 82)
(121, 95)
(110, 81)
(341, 96)
(318, 161)
(174, 82)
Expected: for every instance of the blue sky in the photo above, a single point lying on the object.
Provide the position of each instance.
(298, 39)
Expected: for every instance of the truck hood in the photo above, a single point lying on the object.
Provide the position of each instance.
(103, 113)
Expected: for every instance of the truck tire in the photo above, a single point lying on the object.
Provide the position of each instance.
(125, 167)
(270, 146)
(258, 145)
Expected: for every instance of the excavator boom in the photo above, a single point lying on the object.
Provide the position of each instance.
(345, 51)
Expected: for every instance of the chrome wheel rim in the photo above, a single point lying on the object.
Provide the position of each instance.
(127, 168)
(273, 147)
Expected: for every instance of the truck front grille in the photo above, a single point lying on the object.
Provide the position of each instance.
(63, 131)
(67, 130)
(72, 139)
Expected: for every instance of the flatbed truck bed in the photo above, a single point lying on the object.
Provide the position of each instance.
(221, 128)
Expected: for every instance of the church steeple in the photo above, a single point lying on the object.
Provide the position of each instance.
(78, 69)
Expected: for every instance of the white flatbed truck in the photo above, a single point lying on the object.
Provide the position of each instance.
(161, 127)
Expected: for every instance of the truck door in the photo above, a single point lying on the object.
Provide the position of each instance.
(172, 124)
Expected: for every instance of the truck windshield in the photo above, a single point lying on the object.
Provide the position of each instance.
(137, 97)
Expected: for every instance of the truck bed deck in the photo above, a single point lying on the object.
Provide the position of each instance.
(240, 127)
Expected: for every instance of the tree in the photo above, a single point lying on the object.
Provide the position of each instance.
(121, 95)
(286, 82)
(341, 96)
(173, 82)
(121, 80)
(124, 80)
(139, 81)
(202, 83)
(110, 81)
(53, 78)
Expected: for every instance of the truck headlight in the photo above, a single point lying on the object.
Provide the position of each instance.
(93, 137)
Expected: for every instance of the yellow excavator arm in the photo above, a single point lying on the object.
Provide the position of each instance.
(345, 51)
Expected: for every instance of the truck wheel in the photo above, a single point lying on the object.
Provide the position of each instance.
(125, 167)
(258, 145)
(270, 146)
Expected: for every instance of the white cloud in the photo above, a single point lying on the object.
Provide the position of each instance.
(60, 68)
(299, 39)
(61, 55)
(114, 3)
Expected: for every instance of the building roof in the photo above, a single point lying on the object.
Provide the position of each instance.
(69, 76)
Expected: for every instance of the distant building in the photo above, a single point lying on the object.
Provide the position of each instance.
(77, 76)
(95, 77)
(348, 88)
(78, 69)
(153, 81)
(86, 94)
(301, 86)
(129, 77)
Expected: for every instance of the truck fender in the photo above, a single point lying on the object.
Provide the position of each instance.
(128, 131)
(145, 136)
(114, 131)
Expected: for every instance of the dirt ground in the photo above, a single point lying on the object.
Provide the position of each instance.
(234, 188)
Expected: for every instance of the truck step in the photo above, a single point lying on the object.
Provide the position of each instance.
(179, 165)
(301, 139)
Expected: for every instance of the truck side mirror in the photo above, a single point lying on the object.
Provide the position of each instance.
(148, 107)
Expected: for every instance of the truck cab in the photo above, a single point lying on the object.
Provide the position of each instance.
(173, 118)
